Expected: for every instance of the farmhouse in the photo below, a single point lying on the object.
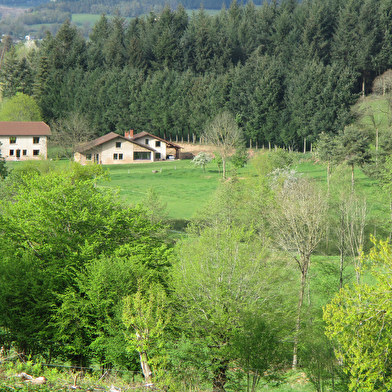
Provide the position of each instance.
(116, 149)
(22, 140)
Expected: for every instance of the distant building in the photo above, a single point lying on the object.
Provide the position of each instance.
(116, 149)
(22, 140)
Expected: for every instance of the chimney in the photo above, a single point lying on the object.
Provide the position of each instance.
(128, 134)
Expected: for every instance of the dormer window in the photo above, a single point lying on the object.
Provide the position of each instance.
(12, 139)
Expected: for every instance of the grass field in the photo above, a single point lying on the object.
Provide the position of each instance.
(186, 188)
(79, 19)
(182, 186)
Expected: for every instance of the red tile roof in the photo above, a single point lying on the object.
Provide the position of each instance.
(24, 128)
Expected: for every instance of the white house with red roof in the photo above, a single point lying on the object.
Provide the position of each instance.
(22, 140)
(116, 149)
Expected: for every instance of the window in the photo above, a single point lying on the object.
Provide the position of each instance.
(11, 153)
(157, 143)
(12, 139)
(35, 139)
(146, 141)
(35, 152)
(158, 155)
(141, 155)
(24, 152)
(118, 144)
(120, 156)
(88, 157)
(115, 156)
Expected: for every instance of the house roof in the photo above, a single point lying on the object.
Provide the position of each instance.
(144, 134)
(24, 128)
(107, 138)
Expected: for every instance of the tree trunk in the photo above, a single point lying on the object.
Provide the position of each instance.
(352, 178)
(363, 84)
(147, 373)
(304, 272)
(328, 175)
(220, 378)
(390, 230)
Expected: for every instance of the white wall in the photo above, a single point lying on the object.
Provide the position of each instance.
(152, 144)
(23, 143)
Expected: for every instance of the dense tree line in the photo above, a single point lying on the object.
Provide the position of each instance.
(286, 71)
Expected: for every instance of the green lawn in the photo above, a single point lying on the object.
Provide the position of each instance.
(184, 187)
(79, 19)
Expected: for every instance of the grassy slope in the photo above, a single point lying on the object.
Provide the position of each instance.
(184, 187)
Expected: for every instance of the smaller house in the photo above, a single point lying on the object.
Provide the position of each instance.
(22, 140)
(116, 149)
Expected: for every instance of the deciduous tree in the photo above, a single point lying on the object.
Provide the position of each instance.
(202, 159)
(359, 321)
(53, 224)
(20, 107)
(70, 132)
(352, 148)
(298, 220)
(225, 135)
(224, 277)
(145, 315)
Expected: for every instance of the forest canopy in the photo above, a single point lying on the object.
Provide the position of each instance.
(286, 72)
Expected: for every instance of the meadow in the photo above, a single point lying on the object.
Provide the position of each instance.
(182, 186)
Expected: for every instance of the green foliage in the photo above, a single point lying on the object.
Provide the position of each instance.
(358, 320)
(240, 157)
(3, 167)
(52, 225)
(145, 315)
(156, 208)
(20, 107)
(89, 320)
(265, 162)
(215, 265)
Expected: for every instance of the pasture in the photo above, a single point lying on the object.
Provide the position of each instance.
(181, 185)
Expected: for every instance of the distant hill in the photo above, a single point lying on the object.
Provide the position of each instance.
(92, 6)
(22, 3)
(21, 17)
